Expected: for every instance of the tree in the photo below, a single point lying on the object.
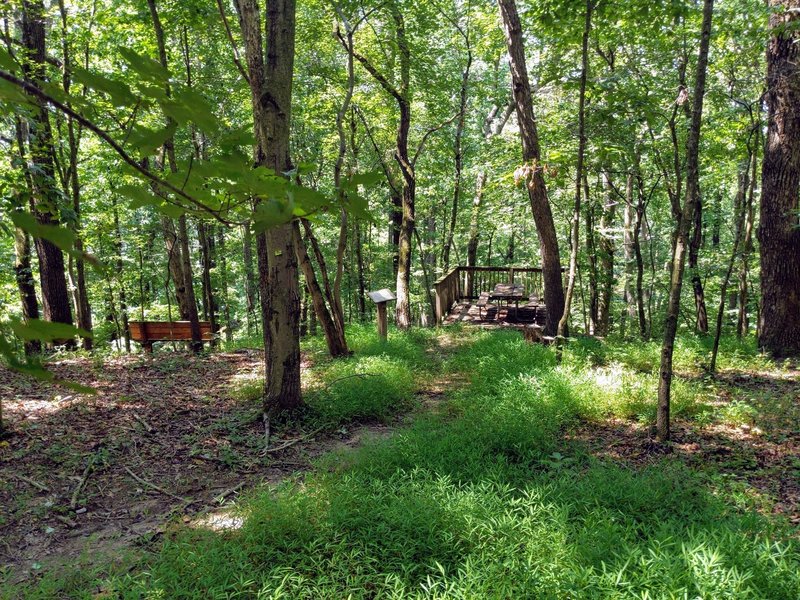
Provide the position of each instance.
(682, 230)
(778, 232)
(534, 178)
(271, 95)
(45, 197)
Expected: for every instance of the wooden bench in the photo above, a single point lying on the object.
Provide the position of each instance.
(147, 332)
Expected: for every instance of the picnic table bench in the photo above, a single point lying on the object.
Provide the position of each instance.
(147, 332)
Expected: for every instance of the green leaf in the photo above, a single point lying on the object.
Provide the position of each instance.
(119, 92)
(272, 212)
(7, 61)
(144, 66)
(139, 196)
(56, 234)
(46, 331)
(147, 141)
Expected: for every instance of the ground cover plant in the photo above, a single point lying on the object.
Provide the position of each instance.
(510, 487)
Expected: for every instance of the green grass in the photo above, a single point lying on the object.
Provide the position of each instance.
(483, 500)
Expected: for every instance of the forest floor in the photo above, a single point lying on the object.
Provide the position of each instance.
(410, 445)
(163, 439)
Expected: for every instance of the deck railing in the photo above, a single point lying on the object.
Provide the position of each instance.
(467, 283)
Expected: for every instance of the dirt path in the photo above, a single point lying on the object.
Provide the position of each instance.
(161, 440)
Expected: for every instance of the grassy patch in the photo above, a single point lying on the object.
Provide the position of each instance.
(486, 500)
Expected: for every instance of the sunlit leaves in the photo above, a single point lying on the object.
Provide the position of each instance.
(147, 141)
(58, 235)
(147, 68)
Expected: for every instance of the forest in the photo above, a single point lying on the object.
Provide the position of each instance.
(400, 299)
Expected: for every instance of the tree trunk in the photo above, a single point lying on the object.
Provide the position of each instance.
(72, 190)
(362, 288)
(743, 322)
(249, 276)
(334, 337)
(739, 212)
(682, 237)
(25, 285)
(778, 232)
(183, 234)
(701, 322)
(23, 271)
(605, 255)
(44, 197)
(537, 192)
(223, 259)
(123, 300)
(576, 212)
(279, 282)
(205, 236)
(629, 223)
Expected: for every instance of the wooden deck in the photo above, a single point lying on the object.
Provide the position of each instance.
(458, 292)
(497, 315)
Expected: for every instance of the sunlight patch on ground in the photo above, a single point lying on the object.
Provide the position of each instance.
(222, 520)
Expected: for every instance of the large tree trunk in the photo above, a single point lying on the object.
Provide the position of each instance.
(279, 282)
(45, 197)
(537, 192)
(682, 237)
(778, 233)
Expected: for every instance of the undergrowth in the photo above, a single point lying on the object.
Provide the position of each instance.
(483, 500)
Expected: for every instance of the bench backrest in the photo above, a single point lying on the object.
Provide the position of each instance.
(164, 331)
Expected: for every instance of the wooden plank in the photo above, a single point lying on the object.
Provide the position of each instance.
(160, 331)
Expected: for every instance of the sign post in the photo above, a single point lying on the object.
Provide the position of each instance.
(381, 298)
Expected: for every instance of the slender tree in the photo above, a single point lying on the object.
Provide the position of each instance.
(682, 230)
(531, 154)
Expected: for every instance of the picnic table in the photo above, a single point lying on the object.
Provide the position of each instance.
(508, 292)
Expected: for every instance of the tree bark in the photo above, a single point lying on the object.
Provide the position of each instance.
(778, 232)
(537, 192)
(271, 97)
(682, 230)
(44, 197)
